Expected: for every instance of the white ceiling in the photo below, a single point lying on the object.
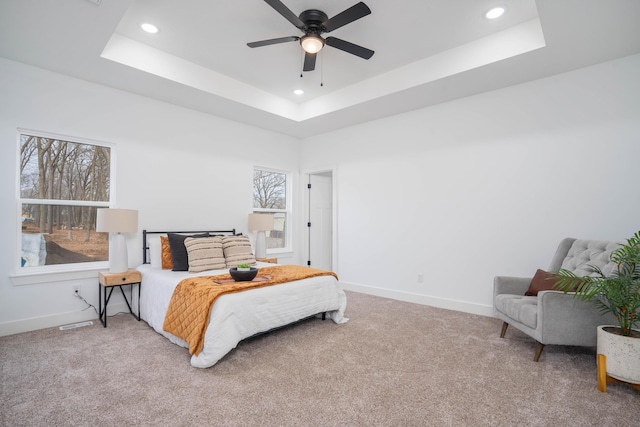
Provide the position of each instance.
(426, 52)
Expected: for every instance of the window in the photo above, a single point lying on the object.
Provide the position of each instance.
(62, 183)
(271, 194)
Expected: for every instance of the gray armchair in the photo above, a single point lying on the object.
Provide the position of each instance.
(553, 317)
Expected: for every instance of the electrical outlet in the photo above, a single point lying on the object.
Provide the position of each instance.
(76, 291)
(420, 278)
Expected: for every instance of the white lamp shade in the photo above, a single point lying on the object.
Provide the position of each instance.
(260, 222)
(117, 220)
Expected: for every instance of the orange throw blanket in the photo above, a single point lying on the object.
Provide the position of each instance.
(191, 302)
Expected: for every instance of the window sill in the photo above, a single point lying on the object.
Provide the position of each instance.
(283, 257)
(57, 275)
(279, 252)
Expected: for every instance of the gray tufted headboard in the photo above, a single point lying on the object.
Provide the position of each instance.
(577, 255)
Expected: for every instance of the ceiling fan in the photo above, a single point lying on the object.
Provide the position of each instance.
(313, 23)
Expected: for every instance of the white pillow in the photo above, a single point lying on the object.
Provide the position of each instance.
(155, 251)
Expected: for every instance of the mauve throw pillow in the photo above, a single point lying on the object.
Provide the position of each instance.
(542, 281)
(179, 254)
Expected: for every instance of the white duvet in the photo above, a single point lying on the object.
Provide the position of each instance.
(237, 316)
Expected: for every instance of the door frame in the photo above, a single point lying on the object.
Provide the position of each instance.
(334, 213)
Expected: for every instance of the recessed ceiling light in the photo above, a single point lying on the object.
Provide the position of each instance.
(298, 92)
(494, 13)
(149, 28)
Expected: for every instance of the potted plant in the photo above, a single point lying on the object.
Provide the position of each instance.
(243, 267)
(243, 273)
(619, 294)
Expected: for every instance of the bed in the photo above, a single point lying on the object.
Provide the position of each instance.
(234, 316)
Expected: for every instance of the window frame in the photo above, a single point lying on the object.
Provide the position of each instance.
(56, 272)
(288, 245)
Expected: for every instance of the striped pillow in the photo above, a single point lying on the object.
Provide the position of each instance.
(237, 250)
(205, 253)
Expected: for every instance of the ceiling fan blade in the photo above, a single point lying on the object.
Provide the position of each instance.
(286, 12)
(345, 17)
(309, 61)
(348, 47)
(273, 41)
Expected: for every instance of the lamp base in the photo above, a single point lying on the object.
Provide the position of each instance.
(261, 244)
(118, 258)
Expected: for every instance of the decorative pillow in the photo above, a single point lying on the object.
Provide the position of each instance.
(167, 261)
(179, 255)
(542, 281)
(205, 253)
(237, 250)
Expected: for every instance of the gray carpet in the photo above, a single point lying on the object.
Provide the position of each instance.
(393, 364)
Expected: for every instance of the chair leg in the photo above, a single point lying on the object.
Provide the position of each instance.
(538, 352)
(505, 325)
(539, 349)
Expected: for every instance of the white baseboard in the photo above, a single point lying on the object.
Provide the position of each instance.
(466, 307)
(35, 323)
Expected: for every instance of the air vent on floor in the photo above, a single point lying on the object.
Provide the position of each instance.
(75, 325)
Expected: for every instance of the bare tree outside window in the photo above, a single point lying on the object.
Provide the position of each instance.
(270, 197)
(62, 183)
(269, 190)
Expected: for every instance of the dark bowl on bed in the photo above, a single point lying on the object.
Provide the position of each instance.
(243, 275)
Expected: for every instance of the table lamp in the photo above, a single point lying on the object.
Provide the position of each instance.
(261, 223)
(115, 222)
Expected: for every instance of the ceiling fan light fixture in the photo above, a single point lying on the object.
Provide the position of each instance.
(312, 43)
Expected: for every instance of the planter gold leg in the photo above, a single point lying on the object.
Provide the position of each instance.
(603, 378)
(602, 372)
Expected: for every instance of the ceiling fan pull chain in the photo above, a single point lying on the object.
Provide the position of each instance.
(321, 69)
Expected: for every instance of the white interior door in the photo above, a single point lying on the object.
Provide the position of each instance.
(321, 221)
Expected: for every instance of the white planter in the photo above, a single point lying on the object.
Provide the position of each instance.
(623, 355)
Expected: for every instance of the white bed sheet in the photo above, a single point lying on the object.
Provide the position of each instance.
(240, 315)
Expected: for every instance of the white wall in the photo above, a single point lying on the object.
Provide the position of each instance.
(486, 185)
(181, 169)
(459, 192)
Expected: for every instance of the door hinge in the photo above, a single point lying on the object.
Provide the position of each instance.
(308, 224)
(309, 263)
(309, 186)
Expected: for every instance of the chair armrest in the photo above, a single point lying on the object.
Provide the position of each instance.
(510, 285)
(567, 320)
